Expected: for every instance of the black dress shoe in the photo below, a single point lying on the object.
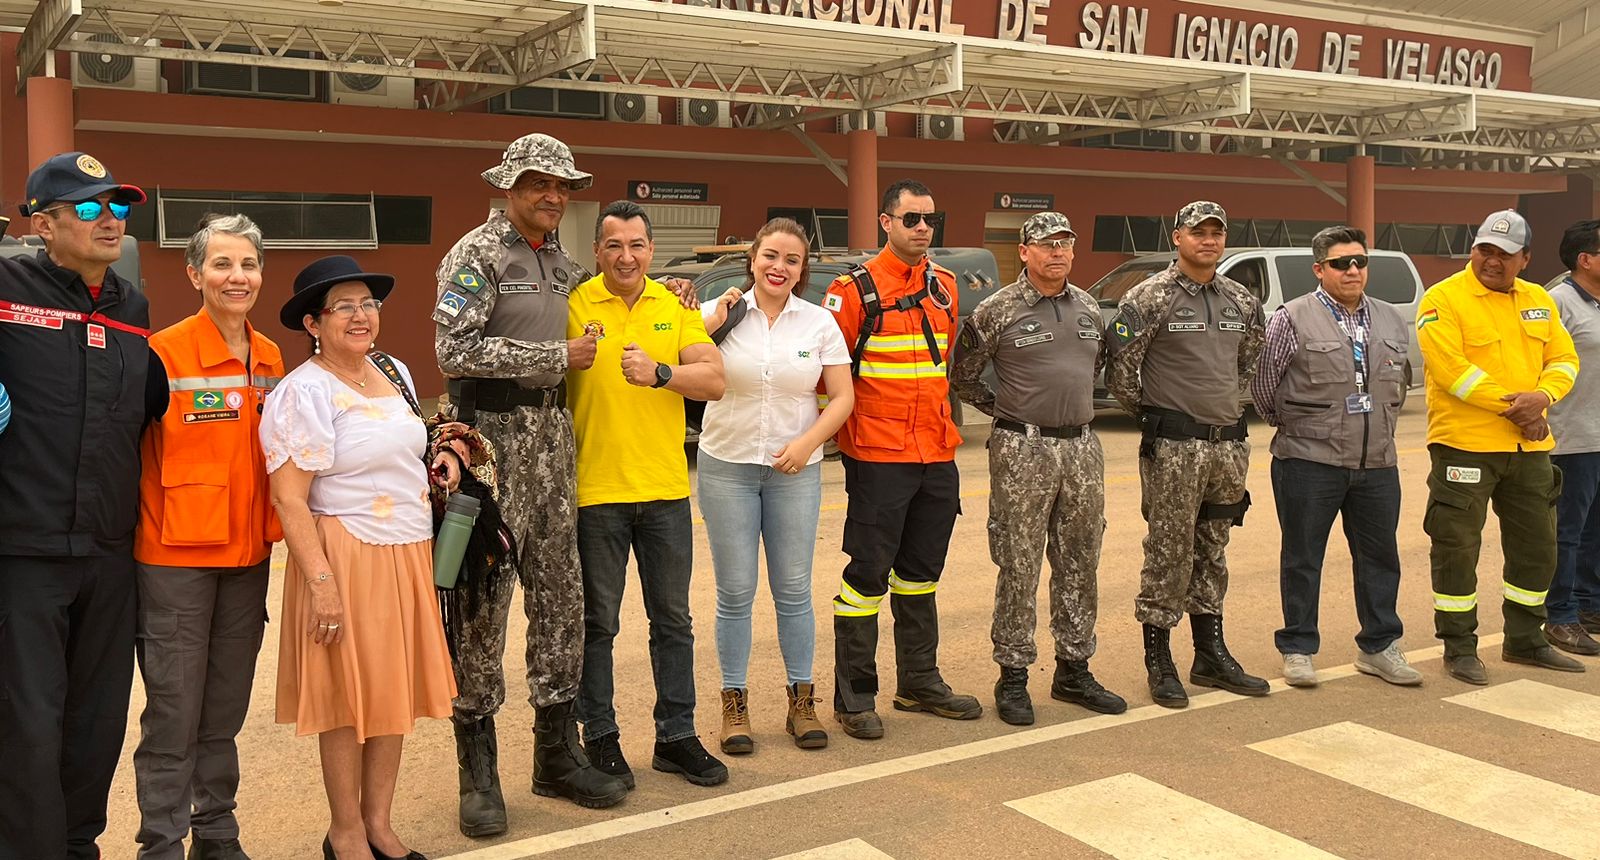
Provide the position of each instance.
(379, 855)
(1467, 668)
(1544, 657)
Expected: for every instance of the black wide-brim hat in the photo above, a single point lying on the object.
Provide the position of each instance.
(311, 286)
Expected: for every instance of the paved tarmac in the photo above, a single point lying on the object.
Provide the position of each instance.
(1355, 768)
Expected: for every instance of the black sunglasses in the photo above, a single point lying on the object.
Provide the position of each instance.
(912, 219)
(1360, 261)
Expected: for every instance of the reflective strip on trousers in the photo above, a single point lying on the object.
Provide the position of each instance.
(1455, 602)
(1524, 596)
(907, 587)
(856, 600)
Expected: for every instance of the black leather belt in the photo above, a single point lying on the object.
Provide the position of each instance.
(1071, 432)
(501, 395)
(1172, 424)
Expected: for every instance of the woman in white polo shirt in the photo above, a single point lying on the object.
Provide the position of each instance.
(760, 469)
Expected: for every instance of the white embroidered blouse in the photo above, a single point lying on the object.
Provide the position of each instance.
(365, 452)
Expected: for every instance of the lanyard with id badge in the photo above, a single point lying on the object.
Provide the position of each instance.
(1359, 403)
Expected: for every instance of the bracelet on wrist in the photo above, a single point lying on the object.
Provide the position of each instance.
(321, 577)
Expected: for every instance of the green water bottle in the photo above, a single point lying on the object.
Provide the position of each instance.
(460, 513)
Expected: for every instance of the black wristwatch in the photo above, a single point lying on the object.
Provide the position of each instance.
(663, 374)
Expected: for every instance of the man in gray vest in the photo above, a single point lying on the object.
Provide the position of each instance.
(1043, 337)
(501, 342)
(1182, 349)
(1331, 378)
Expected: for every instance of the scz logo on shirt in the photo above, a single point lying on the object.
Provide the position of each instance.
(663, 326)
(1532, 314)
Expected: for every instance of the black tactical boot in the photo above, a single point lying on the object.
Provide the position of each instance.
(560, 766)
(1213, 665)
(1011, 697)
(483, 807)
(1074, 683)
(1165, 688)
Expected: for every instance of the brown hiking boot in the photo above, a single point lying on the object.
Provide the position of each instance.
(864, 725)
(802, 722)
(736, 724)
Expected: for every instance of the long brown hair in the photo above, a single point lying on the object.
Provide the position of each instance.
(792, 228)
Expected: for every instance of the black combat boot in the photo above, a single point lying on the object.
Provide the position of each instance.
(1076, 684)
(1165, 688)
(1011, 697)
(1213, 665)
(483, 807)
(560, 766)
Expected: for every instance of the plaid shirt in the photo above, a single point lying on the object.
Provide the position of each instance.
(1282, 342)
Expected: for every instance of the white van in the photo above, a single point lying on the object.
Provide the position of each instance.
(1274, 275)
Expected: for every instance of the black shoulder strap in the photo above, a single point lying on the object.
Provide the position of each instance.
(386, 364)
(735, 316)
(871, 311)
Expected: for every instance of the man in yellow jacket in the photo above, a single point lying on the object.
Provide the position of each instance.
(1497, 356)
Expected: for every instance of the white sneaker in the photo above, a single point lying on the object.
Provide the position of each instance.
(1298, 671)
(1390, 665)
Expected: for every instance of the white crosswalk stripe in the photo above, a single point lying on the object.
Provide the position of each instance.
(1544, 814)
(1132, 818)
(850, 849)
(1543, 705)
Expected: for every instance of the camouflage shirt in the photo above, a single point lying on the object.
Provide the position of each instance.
(1182, 345)
(502, 306)
(1046, 351)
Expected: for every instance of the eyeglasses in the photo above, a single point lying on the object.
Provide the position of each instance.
(1344, 263)
(1055, 244)
(346, 310)
(89, 210)
(911, 219)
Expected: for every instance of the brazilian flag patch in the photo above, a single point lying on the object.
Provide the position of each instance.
(1123, 333)
(208, 400)
(467, 279)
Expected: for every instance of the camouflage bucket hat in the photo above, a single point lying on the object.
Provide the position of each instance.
(541, 153)
(1199, 212)
(1045, 224)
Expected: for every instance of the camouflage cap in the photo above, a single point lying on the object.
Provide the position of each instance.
(541, 153)
(1199, 212)
(1043, 224)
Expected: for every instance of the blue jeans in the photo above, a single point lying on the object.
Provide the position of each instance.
(662, 540)
(1576, 586)
(746, 505)
(1308, 497)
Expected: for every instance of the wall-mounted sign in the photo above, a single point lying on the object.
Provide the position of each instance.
(1028, 202)
(650, 191)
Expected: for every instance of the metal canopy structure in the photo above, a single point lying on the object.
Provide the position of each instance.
(795, 69)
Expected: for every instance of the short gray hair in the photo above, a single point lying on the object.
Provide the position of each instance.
(211, 225)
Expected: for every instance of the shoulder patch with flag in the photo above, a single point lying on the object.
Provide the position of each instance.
(467, 279)
(834, 302)
(1427, 317)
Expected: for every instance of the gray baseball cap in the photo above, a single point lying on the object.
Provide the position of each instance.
(1044, 224)
(1506, 230)
(1199, 212)
(541, 153)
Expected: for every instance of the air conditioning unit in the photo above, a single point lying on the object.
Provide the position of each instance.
(549, 101)
(938, 127)
(703, 113)
(632, 107)
(1514, 164)
(270, 82)
(1191, 141)
(112, 71)
(877, 121)
(746, 115)
(372, 90)
(1303, 155)
(1028, 131)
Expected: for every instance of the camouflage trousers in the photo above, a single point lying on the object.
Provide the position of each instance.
(1046, 496)
(538, 498)
(1185, 564)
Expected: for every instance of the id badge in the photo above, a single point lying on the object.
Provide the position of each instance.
(1358, 403)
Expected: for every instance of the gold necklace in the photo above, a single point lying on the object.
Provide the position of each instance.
(331, 369)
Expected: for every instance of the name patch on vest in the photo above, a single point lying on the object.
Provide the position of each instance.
(21, 318)
(1186, 326)
(1225, 325)
(1532, 314)
(1463, 474)
(508, 289)
(1088, 334)
(214, 415)
(1030, 340)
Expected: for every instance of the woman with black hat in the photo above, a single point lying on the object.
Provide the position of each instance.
(363, 652)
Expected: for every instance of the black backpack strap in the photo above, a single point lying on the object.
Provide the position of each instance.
(386, 364)
(871, 314)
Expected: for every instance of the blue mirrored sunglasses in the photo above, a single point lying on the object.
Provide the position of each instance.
(89, 210)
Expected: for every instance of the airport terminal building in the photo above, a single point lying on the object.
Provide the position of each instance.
(360, 126)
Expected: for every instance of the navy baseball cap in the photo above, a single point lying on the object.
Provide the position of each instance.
(73, 177)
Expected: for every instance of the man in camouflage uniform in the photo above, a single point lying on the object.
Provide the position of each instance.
(1046, 469)
(1181, 353)
(501, 342)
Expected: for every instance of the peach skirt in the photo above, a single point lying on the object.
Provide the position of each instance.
(391, 668)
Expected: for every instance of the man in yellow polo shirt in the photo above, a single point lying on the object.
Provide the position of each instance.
(1497, 356)
(633, 486)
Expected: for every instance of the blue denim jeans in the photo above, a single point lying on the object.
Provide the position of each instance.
(746, 505)
(1309, 495)
(662, 540)
(1576, 586)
